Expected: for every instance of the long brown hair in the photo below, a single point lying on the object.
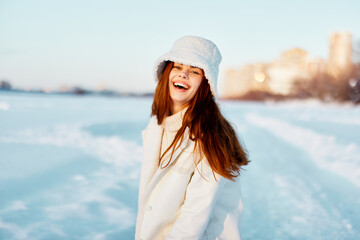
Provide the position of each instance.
(212, 133)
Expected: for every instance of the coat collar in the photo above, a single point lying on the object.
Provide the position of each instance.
(152, 136)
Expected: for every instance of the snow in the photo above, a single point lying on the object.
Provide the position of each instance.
(325, 150)
(4, 106)
(70, 167)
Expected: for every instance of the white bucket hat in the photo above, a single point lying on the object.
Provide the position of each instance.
(194, 51)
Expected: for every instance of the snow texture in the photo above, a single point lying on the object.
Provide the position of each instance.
(70, 167)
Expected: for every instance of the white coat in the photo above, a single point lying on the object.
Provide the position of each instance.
(177, 202)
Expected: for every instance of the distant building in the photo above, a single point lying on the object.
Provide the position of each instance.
(276, 77)
(291, 67)
(294, 66)
(340, 53)
(240, 81)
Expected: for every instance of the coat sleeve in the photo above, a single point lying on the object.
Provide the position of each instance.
(200, 198)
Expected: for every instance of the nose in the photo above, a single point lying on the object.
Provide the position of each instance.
(184, 74)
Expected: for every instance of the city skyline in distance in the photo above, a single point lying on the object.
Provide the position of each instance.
(114, 44)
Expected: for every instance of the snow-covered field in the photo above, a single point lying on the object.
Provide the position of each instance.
(69, 167)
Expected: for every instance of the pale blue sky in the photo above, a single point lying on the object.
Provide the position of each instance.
(114, 43)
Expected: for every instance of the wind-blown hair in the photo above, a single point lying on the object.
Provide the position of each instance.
(213, 134)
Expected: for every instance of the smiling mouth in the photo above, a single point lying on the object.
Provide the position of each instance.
(180, 86)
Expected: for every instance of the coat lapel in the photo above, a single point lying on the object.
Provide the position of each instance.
(152, 138)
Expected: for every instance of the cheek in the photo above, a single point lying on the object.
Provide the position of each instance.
(197, 83)
(172, 74)
(169, 80)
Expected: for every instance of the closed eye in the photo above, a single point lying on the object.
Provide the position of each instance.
(196, 71)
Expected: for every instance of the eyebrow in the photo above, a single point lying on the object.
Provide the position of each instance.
(195, 67)
(186, 65)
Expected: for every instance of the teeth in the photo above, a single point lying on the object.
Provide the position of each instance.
(179, 85)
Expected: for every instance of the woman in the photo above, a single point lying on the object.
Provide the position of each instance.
(189, 186)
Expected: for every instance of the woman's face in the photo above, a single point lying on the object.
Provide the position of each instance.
(184, 81)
